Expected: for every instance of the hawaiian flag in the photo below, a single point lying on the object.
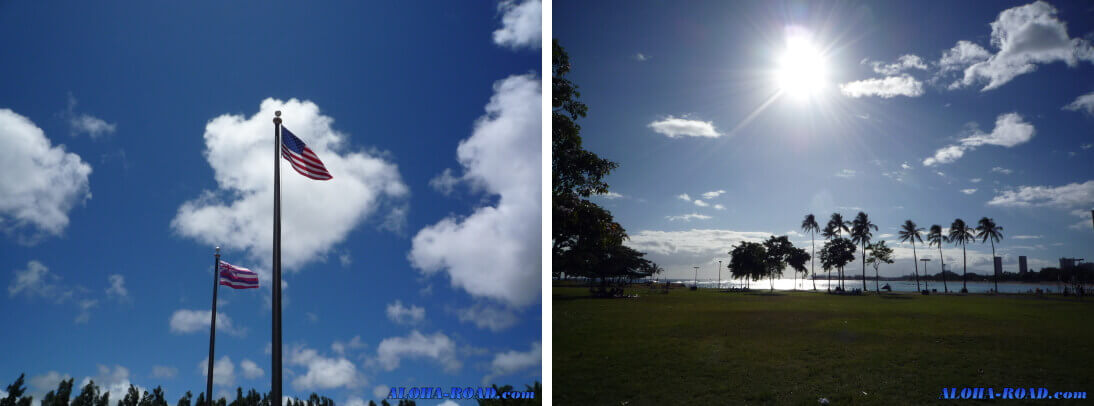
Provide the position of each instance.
(302, 158)
(236, 277)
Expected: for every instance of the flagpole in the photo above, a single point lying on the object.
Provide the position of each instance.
(213, 329)
(275, 365)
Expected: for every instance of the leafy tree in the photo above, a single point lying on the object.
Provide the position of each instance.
(879, 254)
(185, 399)
(779, 253)
(384, 403)
(836, 227)
(132, 397)
(797, 259)
(406, 402)
(371, 403)
(860, 234)
(60, 396)
(837, 253)
(909, 232)
(987, 230)
(961, 234)
(88, 395)
(15, 394)
(935, 239)
(103, 400)
(747, 260)
(810, 224)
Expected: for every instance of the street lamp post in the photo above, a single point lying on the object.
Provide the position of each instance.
(925, 283)
(719, 274)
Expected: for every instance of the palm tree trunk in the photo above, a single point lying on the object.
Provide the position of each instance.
(964, 269)
(943, 261)
(829, 287)
(864, 267)
(916, 263)
(876, 277)
(994, 271)
(811, 271)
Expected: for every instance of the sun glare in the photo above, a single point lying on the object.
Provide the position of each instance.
(801, 71)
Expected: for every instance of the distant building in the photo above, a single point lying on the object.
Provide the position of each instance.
(1022, 267)
(1067, 263)
(998, 265)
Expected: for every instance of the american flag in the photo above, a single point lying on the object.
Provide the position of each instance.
(302, 158)
(236, 277)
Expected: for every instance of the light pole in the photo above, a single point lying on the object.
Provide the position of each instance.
(719, 274)
(696, 284)
(925, 274)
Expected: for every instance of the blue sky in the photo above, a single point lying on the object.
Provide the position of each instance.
(928, 111)
(139, 137)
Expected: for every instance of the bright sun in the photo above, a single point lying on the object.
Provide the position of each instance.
(801, 72)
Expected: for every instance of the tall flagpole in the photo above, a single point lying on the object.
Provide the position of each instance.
(275, 365)
(213, 329)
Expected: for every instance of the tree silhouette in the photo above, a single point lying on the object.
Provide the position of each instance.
(810, 224)
(837, 225)
(935, 238)
(961, 233)
(909, 232)
(15, 394)
(860, 234)
(987, 230)
(837, 253)
(879, 254)
(747, 260)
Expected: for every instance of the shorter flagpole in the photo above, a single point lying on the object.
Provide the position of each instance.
(213, 330)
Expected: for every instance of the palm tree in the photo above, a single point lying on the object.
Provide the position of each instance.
(961, 233)
(988, 230)
(860, 234)
(828, 233)
(935, 238)
(839, 226)
(810, 225)
(909, 232)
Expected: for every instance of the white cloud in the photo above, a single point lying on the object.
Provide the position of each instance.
(962, 55)
(678, 251)
(640, 57)
(223, 371)
(684, 197)
(113, 380)
(609, 195)
(164, 372)
(495, 252)
(1070, 195)
(905, 166)
(1086, 146)
(1082, 103)
(85, 306)
(1010, 130)
(437, 347)
(1026, 36)
(323, 372)
(250, 369)
(356, 401)
(520, 24)
(968, 191)
(889, 87)
(445, 182)
(688, 217)
(701, 203)
(41, 183)
(84, 123)
(400, 314)
(47, 381)
(510, 362)
(117, 287)
(1084, 223)
(1026, 237)
(317, 215)
(975, 180)
(712, 194)
(674, 127)
(36, 280)
(488, 317)
(1001, 170)
(719, 207)
(846, 173)
(353, 344)
(448, 402)
(185, 321)
(381, 391)
(905, 62)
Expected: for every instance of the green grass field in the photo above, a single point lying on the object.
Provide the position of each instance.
(708, 347)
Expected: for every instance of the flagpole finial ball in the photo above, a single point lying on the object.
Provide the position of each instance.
(277, 113)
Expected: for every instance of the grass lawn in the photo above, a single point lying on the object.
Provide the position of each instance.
(708, 347)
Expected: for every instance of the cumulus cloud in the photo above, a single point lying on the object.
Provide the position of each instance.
(251, 370)
(678, 251)
(185, 321)
(712, 194)
(317, 215)
(520, 24)
(1083, 103)
(674, 127)
(684, 197)
(1025, 36)
(437, 347)
(888, 87)
(968, 191)
(340, 347)
(1010, 130)
(1070, 195)
(961, 56)
(166, 372)
(701, 203)
(41, 182)
(85, 306)
(117, 287)
(489, 317)
(223, 371)
(688, 217)
(905, 62)
(47, 381)
(86, 124)
(37, 281)
(381, 391)
(511, 362)
(323, 372)
(495, 252)
(400, 314)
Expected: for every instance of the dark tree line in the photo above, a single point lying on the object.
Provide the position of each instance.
(91, 395)
(586, 240)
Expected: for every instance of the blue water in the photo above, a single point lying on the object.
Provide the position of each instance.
(897, 286)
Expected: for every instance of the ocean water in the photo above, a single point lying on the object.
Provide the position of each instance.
(897, 286)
